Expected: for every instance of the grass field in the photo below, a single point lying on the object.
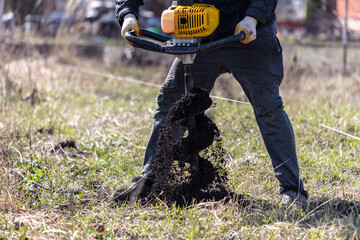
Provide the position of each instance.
(69, 139)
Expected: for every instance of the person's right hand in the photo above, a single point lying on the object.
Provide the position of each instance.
(130, 23)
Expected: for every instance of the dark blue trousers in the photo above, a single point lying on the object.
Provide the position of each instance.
(258, 67)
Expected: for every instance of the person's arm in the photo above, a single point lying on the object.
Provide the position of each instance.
(259, 11)
(262, 10)
(124, 7)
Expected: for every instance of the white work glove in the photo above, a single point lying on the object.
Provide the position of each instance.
(130, 23)
(248, 26)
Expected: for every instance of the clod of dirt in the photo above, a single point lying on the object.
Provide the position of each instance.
(175, 180)
(67, 144)
(68, 148)
(49, 131)
(191, 104)
(345, 208)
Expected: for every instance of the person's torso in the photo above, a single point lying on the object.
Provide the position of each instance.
(231, 12)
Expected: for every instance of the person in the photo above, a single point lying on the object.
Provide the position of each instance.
(256, 63)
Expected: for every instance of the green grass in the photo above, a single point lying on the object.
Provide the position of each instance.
(50, 193)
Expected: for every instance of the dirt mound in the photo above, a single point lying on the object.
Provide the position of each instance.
(66, 144)
(176, 181)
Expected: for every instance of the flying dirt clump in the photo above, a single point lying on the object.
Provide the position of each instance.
(176, 181)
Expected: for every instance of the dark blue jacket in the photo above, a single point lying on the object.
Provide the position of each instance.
(231, 12)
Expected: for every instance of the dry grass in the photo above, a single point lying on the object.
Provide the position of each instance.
(68, 140)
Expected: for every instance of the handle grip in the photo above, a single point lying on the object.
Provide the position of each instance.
(222, 42)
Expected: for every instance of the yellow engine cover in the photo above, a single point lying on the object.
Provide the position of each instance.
(198, 20)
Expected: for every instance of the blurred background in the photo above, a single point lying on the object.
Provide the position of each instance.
(323, 19)
(68, 29)
(320, 18)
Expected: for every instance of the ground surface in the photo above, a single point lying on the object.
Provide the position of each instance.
(69, 139)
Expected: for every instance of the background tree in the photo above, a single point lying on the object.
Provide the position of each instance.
(321, 18)
(22, 8)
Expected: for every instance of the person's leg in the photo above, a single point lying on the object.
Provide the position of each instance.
(258, 68)
(171, 91)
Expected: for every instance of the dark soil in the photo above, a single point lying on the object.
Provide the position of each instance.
(66, 144)
(191, 104)
(176, 180)
(49, 131)
(68, 147)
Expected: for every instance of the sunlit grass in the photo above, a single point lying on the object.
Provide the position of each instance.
(49, 192)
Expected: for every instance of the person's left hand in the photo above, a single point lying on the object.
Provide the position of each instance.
(248, 26)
